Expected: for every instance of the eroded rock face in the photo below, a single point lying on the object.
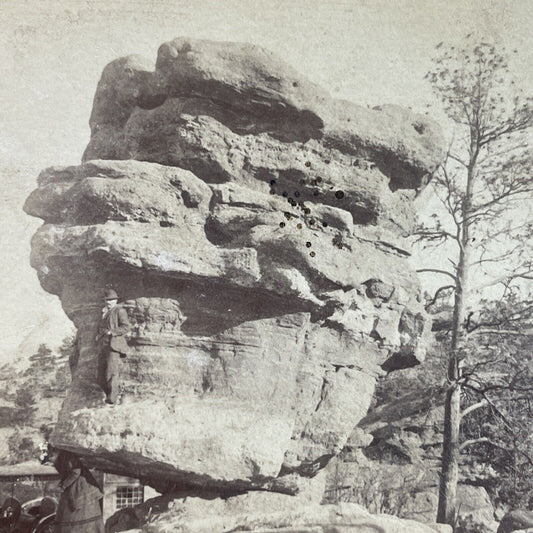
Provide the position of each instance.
(254, 228)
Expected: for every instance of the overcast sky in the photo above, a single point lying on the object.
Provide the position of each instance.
(53, 52)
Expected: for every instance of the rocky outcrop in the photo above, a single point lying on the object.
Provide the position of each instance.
(220, 108)
(392, 460)
(254, 228)
(516, 520)
(262, 512)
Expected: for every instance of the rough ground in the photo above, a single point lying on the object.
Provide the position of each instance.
(264, 513)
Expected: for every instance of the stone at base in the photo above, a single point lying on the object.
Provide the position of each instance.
(518, 520)
(261, 512)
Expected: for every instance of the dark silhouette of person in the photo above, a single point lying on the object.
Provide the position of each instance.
(80, 505)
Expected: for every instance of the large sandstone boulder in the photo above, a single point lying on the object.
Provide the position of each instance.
(255, 230)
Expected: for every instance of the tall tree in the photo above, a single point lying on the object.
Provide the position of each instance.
(487, 172)
(42, 363)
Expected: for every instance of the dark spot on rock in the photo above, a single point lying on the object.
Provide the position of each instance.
(308, 163)
(337, 241)
(297, 193)
(272, 182)
(288, 216)
(299, 226)
(312, 254)
(307, 211)
(312, 221)
(419, 127)
(188, 199)
(302, 182)
(308, 244)
(398, 361)
(282, 224)
(285, 194)
(325, 224)
(272, 191)
(319, 179)
(295, 84)
(339, 195)
(327, 161)
(316, 193)
(151, 101)
(165, 224)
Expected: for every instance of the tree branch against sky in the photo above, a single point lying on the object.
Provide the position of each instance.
(483, 185)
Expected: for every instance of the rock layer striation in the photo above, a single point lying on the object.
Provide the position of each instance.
(255, 229)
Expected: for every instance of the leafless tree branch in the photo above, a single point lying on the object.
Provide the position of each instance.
(438, 271)
(474, 407)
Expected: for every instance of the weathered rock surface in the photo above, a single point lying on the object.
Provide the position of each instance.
(254, 228)
(250, 91)
(516, 520)
(261, 512)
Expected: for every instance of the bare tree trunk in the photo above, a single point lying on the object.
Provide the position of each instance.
(450, 457)
(446, 513)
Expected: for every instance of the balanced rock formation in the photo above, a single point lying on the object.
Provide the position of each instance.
(254, 228)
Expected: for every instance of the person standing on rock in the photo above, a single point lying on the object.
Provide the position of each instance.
(80, 505)
(112, 339)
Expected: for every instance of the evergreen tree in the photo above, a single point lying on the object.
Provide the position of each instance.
(25, 403)
(488, 170)
(42, 372)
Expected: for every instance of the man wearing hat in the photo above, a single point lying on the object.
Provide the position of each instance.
(112, 335)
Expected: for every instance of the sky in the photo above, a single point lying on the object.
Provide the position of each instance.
(53, 52)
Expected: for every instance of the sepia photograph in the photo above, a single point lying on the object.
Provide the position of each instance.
(266, 266)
